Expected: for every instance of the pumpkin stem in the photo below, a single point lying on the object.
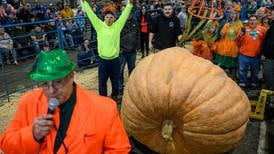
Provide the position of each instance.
(167, 130)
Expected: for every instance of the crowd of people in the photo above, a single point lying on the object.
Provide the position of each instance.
(28, 32)
(236, 42)
(152, 24)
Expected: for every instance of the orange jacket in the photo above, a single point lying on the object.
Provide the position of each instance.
(250, 43)
(95, 127)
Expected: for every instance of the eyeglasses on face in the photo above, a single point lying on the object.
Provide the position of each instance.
(56, 84)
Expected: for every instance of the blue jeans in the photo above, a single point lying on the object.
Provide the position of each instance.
(108, 69)
(269, 73)
(5, 52)
(246, 63)
(69, 38)
(37, 48)
(130, 59)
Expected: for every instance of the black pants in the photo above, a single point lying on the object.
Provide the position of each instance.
(144, 44)
(109, 69)
(269, 73)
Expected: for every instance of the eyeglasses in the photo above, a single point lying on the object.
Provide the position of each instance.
(54, 84)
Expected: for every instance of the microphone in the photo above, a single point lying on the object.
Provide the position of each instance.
(52, 105)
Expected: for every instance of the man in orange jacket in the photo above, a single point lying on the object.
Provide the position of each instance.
(84, 122)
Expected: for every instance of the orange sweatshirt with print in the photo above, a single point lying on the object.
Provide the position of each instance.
(250, 42)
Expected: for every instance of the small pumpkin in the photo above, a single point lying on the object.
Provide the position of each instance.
(201, 49)
(175, 102)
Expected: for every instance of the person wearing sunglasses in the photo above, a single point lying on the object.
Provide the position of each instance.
(83, 122)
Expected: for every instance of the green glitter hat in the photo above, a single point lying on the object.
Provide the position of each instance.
(51, 65)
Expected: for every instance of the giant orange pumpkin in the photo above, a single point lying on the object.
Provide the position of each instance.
(175, 102)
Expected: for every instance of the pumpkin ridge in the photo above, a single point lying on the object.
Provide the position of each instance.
(222, 92)
(214, 134)
(145, 82)
(219, 133)
(180, 65)
(145, 117)
(208, 74)
(170, 89)
(215, 143)
(195, 108)
(237, 104)
(153, 65)
(147, 79)
(195, 84)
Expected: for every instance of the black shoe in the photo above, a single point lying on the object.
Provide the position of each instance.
(121, 91)
(242, 85)
(117, 99)
(255, 86)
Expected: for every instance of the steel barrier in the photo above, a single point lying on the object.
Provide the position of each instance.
(13, 78)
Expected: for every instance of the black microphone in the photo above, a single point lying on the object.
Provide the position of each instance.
(52, 105)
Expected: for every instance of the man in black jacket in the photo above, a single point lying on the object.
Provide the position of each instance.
(268, 54)
(166, 30)
(130, 42)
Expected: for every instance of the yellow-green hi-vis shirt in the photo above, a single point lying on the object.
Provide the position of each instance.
(108, 37)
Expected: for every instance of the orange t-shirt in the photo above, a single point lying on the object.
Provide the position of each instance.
(250, 43)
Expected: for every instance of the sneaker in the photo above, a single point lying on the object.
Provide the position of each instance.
(242, 85)
(16, 63)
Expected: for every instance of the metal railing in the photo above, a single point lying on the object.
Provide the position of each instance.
(13, 78)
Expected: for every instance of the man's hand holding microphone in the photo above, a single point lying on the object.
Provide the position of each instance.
(42, 124)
